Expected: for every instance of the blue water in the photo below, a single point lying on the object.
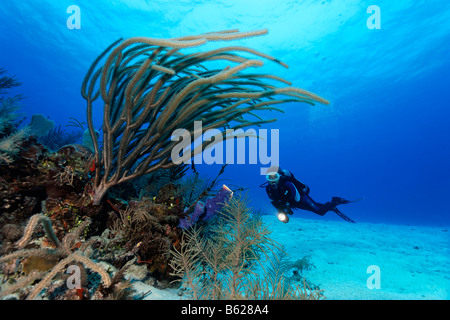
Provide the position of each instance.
(385, 135)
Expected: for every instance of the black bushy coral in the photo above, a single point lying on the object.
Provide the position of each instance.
(57, 138)
(235, 259)
(10, 119)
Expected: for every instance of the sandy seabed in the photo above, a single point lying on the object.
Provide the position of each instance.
(413, 261)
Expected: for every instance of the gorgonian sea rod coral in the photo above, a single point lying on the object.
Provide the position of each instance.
(149, 88)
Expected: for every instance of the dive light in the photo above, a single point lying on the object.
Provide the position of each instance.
(283, 217)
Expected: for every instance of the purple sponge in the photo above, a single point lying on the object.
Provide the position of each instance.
(204, 212)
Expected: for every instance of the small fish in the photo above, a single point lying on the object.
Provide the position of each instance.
(93, 166)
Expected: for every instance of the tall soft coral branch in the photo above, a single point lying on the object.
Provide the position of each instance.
(150, 88)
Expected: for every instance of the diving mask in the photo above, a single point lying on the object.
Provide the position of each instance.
(273, 177)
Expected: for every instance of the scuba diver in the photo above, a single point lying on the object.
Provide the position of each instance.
(287, 193)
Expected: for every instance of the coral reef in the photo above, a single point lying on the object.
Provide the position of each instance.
(121, 205)
(20, 186)
(149, 227)
(41, 181)
(71, 250)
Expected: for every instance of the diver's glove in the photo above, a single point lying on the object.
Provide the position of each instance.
(305, 190)
(289, 210)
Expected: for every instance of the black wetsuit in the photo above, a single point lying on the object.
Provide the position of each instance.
(289, 193)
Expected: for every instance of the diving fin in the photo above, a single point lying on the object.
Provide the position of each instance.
(343, 216)
(339, 200)
(356, 200)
